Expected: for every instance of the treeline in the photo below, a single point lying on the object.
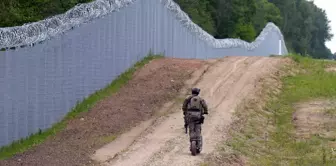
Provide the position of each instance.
(18, 12)
(304, 25)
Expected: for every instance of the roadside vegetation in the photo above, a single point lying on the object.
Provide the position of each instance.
(293, 123)
(83, 106)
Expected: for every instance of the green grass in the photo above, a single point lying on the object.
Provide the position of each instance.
(281, 147)
(108, 139)
(83, 106)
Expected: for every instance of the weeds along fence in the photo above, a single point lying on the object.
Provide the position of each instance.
(50, 65)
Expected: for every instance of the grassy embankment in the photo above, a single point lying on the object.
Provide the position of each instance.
(83, 106)
(274, 140)
(267, 132)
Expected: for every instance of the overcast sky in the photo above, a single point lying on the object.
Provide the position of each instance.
(330, 7)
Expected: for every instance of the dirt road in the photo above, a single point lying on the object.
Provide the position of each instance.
(225, 83)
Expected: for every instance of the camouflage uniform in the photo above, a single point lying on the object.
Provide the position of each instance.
(185, 108)
(194, 124)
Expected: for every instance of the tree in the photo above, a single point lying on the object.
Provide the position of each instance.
(19, 12)
(266, 12)
(200, 11)
(234, 19)
(305, 27)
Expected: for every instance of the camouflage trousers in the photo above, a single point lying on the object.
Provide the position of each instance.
(195, 130)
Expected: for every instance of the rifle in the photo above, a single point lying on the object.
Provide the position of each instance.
(186, 128)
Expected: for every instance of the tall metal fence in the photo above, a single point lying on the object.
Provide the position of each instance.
(59, 61)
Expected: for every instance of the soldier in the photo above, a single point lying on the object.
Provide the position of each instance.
(194, 107)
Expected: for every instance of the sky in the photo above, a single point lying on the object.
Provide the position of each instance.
(329, 7)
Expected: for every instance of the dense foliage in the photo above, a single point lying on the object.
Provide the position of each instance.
(304, 25)
(18, 12)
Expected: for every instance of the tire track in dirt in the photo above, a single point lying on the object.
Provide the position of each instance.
(235, 74)
(223, 86)
(125, 140)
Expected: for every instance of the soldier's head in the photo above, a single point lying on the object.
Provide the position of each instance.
(195, 91)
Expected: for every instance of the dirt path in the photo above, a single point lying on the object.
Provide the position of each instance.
(224, 85)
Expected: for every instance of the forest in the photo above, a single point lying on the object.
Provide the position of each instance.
(305, 26)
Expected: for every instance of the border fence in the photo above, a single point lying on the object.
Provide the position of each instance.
(48, 66)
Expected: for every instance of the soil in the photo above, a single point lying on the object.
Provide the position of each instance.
(140, 99)
(224, 85)
(331, 69)
(315, 117)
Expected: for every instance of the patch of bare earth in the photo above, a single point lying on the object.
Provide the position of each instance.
(315, 118)
(139, 100)
(331, 69)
